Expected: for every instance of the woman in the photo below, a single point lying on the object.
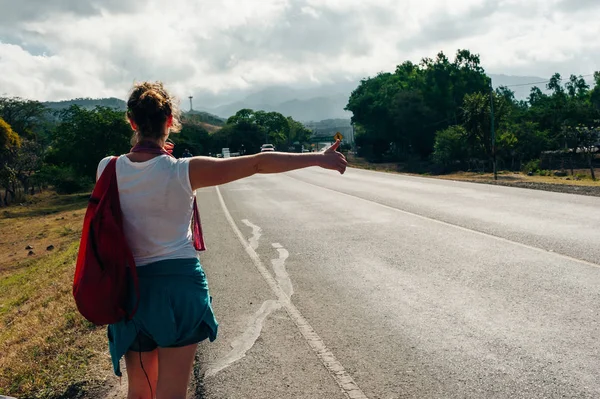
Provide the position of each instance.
(156, 192)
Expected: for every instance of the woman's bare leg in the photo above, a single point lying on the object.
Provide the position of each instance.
(138, 387)
(174, 370)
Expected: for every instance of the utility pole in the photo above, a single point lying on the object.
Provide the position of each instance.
(493, 132)
(191, 108)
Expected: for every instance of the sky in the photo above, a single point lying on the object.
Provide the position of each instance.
(63, 49)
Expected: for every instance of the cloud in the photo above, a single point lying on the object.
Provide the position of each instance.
(447, 25)
(30, 10)
(578, 5)
(73, 48)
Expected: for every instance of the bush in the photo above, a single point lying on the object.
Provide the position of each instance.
(532, 166)
(450, 149)
(63, 179)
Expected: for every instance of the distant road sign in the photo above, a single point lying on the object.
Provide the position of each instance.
(338, 136)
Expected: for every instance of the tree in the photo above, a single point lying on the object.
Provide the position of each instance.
(275, 126)
(531, 141)
(254, 128)
(298, 132)
(194, 137)
(595, 94)
(577, 87)
(451, 147)
(407, 107)
(8, 137)
(10, 142)
(24, 116)
(242, 134)
(587, 139)
(83, 137)
(27, 162)
(507, 146)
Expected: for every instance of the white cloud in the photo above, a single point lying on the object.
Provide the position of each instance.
(73, 48)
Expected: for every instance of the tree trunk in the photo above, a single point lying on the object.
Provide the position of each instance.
(591, 164)
(572, 171)
(25, 184)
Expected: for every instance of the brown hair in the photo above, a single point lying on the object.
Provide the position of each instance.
(149, 106)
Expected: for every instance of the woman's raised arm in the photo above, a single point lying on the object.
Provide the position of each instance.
(207, 171)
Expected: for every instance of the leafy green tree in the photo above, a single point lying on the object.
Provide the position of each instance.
(26, 117)
(595, 93)
(586, 139)
(298, 132)
(8, 137)
(531, 141)
(507, 146)
(275, 126)
(28, 161)
(451, 147)
(83, 137)
(194, 137)
(251, 129)
(477, 121)
(240, 133)
(404, 109)
(10, 142)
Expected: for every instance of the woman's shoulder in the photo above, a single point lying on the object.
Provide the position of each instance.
(102, 165)
(176, 162)
(104, 161)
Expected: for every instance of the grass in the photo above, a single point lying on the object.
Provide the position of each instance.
(582, 176)
(47, 350)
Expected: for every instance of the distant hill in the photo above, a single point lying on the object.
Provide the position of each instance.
(328, 101)
(88, 103)
(313, 109)
(209, 121)
(312, 103)
(204, 117)
(306, 103)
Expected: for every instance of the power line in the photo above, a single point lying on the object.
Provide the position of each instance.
(539, 83)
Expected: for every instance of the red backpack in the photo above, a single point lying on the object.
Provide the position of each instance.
(104, 262)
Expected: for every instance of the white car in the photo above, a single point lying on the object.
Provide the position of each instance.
(267, 147)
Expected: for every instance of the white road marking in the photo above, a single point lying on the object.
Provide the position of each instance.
(248, 338)
(282, 276)
(256, 233)
(333, 366)
(246, 341)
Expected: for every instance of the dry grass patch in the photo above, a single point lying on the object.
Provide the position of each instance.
(47, 350)
(582, 178)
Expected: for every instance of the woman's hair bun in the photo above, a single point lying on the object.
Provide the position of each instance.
(149, 106)
(152, 101)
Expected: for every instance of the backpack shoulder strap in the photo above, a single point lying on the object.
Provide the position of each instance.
(104, 182)
(110, 172)
(197, 229)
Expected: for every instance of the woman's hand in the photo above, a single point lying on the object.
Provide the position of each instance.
(331, 159)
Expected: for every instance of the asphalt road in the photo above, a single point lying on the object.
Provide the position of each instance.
(371, 285)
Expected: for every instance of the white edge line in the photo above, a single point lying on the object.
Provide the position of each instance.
(481, 233)
(333, 366)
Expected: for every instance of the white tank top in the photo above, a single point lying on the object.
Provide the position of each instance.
(157, 203)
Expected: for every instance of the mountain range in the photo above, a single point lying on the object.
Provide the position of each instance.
(306, 104)
(323, 102)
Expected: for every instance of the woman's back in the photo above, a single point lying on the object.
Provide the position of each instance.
(156, 200)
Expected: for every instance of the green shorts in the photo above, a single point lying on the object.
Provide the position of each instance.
(175, 310)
